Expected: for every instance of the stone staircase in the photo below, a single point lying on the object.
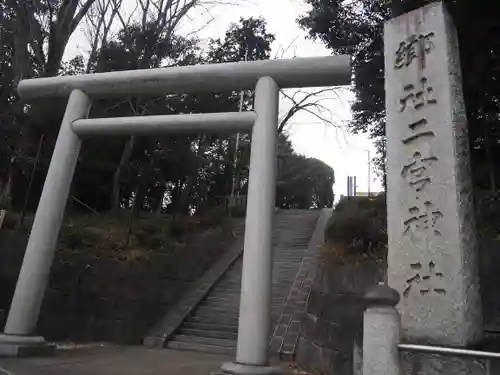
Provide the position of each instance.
(212, 327)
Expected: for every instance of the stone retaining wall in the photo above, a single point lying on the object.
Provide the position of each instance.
(333, 322)
(334, 318)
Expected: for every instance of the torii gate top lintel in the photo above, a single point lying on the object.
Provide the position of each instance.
(287, 73)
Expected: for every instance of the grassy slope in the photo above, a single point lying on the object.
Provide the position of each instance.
(101, 289)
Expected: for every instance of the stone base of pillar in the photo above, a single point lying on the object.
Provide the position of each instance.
(435, 364)
(234, 368)
(24, 346)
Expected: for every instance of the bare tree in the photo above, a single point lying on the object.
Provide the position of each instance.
(160, 18)
(99, 19)
(311, 102)
(42, 32)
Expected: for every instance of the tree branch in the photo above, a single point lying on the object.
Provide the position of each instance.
(304, 105)
(81, 13)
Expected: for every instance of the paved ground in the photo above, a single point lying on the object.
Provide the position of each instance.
(112, 360)
(115, 361)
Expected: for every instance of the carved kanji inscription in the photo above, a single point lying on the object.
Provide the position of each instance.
(419, 130)
(417, 97)
(416, 171)
(415, 47)
(425, 280)
(423, 221)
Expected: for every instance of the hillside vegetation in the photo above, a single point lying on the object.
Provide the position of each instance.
(102, 289)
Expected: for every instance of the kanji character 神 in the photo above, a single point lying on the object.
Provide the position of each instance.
(423, 221)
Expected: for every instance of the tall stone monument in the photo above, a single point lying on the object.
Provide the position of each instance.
(432, 242)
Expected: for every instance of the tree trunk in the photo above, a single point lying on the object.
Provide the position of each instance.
(159, 207)
(5, 193)
(125, 158)
(132, 217)
(489, 158)
(177, 196)
(204, 142)
(186, 192)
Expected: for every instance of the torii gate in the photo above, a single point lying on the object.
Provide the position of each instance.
(267, 77)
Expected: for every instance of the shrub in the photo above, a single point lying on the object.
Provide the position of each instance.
(238, 210)
(214, 218)
(358, 226)
(10, 221)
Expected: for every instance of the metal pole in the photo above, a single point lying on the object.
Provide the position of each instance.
(369, 171)
(255, 304)
(30, 289)
(448, 351)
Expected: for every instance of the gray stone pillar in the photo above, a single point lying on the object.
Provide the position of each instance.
(19, 337)
(432, 240)
(252, 352)
(381, 332)
(432, 257)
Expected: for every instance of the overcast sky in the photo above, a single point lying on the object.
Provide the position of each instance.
(346, 154)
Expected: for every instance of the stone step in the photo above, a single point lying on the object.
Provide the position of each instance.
(280, 277)
(205, 341)
(221, 319)
(223, 297)
(229, 291)
(204, 333)
(217, 310)
(210, 327)
(221, 301)
(280, 288)
(229, 285)
(233, 282)
(219, 295)
(221, 305)
(233, 293)
(232, 316)
(232, 307)
(285, 265)
(278, 295)
(284, 248)
(177, 345)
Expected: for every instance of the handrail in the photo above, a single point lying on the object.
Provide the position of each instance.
(448, 351)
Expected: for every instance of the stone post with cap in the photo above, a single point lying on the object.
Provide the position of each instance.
(381, 332)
